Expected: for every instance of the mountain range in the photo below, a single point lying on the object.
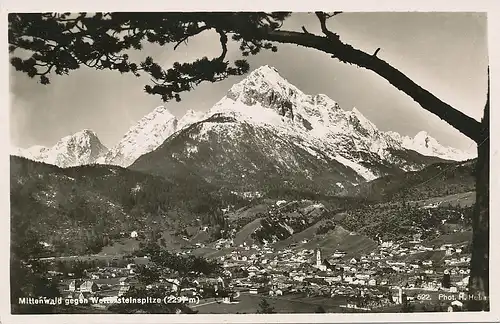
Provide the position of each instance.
(149, 133)
(80, 148)
(264, 129)
(229, 170)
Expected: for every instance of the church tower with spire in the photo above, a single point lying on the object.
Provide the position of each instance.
(318, 257)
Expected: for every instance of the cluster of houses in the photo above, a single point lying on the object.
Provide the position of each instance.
(392, 266)
(368, 281)
(108, 284)
(105, 289)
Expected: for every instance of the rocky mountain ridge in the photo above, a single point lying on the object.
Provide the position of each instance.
(316, 123)
(267, 133)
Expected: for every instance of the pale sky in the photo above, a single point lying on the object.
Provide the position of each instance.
(446, 53)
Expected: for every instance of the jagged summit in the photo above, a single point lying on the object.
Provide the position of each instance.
(264, 85)
(264, 99)
(86, 132)
(147, 135)
(189, 118)
(267, 132)
(159, 111)
(264, 96)
(268, 73)
(425, 144)
(151, 130)
(83, 147)
(83, 137)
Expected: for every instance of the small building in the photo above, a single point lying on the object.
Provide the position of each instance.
(398, 297)
(348, 279)
(362, 276)
(88, 286)
(74, 285)
(173, 284)
(339, 254)
(123, 290)
(253, 269)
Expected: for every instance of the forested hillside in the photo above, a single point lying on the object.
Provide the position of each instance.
(97, 204)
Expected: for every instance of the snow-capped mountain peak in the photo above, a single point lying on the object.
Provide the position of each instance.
(83, 147)
(149, 133)
(357, 118)
(264, 85)
(82, 138)
(266, 99)
(423, 139)
(190, 117)
(265, 129)
(424, 144)
(158, 114)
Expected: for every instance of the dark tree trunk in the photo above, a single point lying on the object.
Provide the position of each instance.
(348, 54)
(479, 266)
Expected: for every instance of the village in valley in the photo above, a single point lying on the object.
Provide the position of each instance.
(394, 276)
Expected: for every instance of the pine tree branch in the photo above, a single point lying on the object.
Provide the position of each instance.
(322, 17)
(185, 38)
(348, 54)
(223, 43)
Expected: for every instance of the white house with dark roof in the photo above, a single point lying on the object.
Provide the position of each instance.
(123, 290)
(88, 286)
(74, 285)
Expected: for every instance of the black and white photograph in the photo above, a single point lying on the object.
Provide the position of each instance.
(248, 162)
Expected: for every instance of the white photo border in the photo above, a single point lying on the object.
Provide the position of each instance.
(493, 17)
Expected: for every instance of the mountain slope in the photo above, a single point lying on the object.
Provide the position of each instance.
(69, 206)
(149, 133)
(244, 160)
(80, 148)
(436, 180)
(145, 136)
(266, 133)
(424, 144)
(190, 117)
